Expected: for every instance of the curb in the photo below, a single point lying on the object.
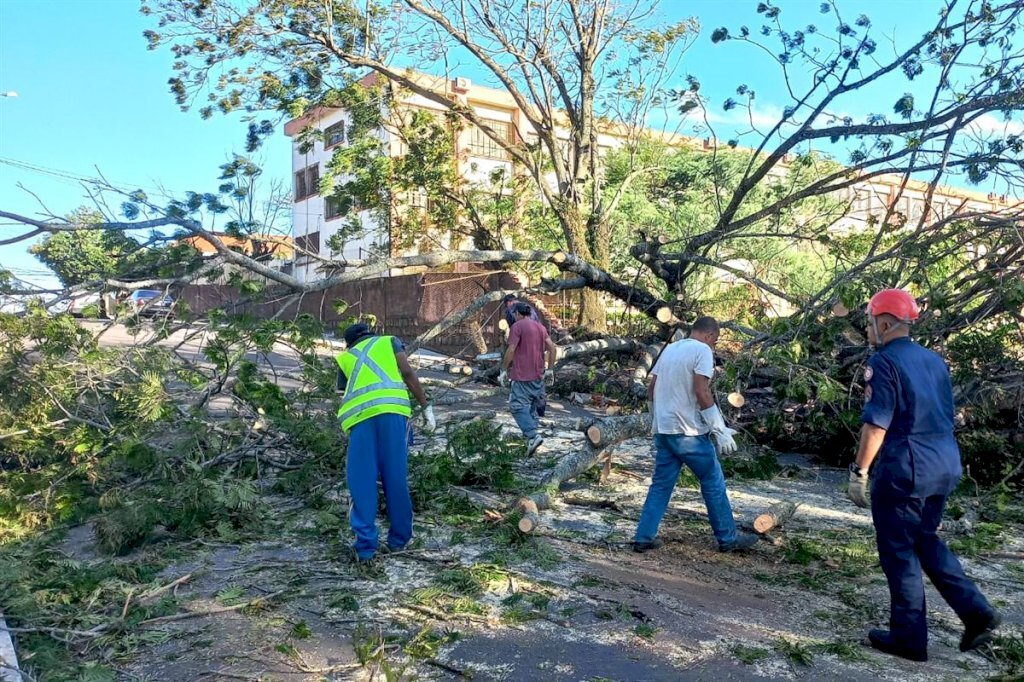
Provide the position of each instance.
(7, 655)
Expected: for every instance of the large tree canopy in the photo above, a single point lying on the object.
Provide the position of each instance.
(574, 67)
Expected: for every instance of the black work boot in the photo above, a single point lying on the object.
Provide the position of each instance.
(979, 630)
(641, 547)
(884, 641)
(742, 543)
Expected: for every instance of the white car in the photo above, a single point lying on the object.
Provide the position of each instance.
(77, 304)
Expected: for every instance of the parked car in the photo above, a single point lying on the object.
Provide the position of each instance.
(85, 304)
(150, 303)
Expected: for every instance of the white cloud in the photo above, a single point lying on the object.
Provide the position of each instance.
(988, 124)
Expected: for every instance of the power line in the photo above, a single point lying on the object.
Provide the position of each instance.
(71, 177)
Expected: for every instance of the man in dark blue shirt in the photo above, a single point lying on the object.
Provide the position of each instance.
(908, 425)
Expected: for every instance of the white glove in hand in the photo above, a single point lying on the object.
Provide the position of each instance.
(428, 418)
(503, 378)
(726, 442)
(650, 410)
(858, 491)
(723, 434)
(549, 377)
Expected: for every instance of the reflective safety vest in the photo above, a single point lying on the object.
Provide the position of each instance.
(374, 385)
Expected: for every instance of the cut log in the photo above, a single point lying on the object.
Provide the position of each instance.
(840, 310)
(776, 517)
(603, 433)
(559, 257)
(530, 516)
(503, 324)
(736, 399)
(664, 315)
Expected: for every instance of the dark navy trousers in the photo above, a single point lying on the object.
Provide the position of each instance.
(907, 544)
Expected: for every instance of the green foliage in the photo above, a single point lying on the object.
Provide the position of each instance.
(42, 586)
(796, 652)
(85, 255)
(644, 630)
(983, 537)
(426, 643)
(989, 456)
(1008, 650)
(475, 455)
(851, 652)
(259, 391)
(196, 503)
(764, 466)
(749, 654)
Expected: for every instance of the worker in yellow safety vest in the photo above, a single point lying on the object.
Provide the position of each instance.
(376, 379)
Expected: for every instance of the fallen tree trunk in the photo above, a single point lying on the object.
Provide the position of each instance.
(643, 369)
(609, 344)
(482, 301)
(467, 397)
(776, 517)
(610, 431)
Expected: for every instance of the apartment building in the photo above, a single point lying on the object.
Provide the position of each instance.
(315, 219)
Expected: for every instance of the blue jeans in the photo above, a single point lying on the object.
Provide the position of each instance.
(697, 453)
(525, 401)
(379, 448)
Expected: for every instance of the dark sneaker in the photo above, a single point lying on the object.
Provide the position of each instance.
(742, 543)
(534, 443)
(641, 547)
(883, 641)
(980, 631)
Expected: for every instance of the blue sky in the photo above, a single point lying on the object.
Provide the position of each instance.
(92, 96)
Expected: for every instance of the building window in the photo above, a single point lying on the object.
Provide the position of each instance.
(418, 198)
(332, 208)
(308, 243)
(334, 135)
(307, 182)
(482, 145)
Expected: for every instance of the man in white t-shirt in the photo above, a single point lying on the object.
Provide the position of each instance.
(684, 417)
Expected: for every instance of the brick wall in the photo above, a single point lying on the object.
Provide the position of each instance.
(405, 306)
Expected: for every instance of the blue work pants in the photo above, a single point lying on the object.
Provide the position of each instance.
(378, 448)
(905, 529)
(697, 453)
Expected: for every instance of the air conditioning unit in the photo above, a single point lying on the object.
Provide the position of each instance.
(462, 83)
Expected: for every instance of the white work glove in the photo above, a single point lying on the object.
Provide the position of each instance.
(723, 434)
(503, 378)
(858, 490)
(650, 410)
(549, 377)
(428, 418)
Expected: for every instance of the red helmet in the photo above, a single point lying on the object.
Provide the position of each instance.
(895, 302)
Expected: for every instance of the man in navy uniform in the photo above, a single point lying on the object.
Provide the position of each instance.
(908, 425)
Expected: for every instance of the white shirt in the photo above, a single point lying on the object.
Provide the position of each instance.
(676, 410)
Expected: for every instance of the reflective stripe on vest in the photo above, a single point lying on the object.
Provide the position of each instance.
(374, 384)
